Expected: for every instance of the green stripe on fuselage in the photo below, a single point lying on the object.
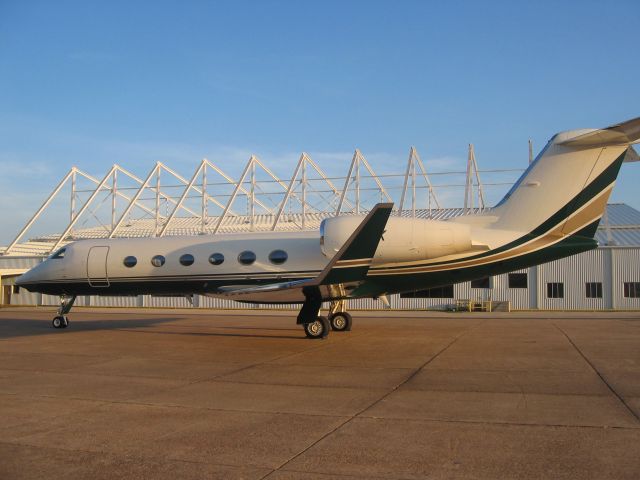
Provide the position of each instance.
(391, 284)
(606, 178)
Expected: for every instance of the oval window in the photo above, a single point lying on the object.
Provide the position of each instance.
(278, 257)
(130, 261)
(157, 261)
(247, 257)
(216, 258)
(186, 259)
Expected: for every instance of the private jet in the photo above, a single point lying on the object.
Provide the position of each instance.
(551, 212)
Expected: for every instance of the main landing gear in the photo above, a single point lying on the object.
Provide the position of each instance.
(339, 319)
(316, 326)
(61, 320)
(317, 329)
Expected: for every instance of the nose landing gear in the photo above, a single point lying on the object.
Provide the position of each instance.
(61, 320)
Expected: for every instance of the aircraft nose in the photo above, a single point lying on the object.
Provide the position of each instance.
(26, 278)
(22, 279)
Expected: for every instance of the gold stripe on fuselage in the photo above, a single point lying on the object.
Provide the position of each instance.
(584, 216)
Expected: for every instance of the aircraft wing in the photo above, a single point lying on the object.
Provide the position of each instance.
(349, 265)
(353, 260)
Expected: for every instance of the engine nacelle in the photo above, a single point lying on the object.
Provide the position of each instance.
(405, 239)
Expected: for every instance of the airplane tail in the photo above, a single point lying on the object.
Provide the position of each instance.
(567, 186)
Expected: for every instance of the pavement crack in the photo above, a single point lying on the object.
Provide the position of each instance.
(395, 388)
(604, 380)
(421, 367)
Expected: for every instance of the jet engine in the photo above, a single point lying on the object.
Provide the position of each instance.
(404, 239)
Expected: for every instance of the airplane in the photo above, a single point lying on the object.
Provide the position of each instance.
(551, 212)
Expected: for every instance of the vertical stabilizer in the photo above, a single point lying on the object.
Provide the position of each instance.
(569, 182)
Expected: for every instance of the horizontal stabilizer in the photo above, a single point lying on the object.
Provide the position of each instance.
(620, 134)
(631, 155)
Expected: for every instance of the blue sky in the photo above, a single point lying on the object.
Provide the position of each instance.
(95, 83)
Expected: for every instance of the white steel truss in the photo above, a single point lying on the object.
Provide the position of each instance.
(410, 176)
(309, 195)
(472, 172)
(354, 178)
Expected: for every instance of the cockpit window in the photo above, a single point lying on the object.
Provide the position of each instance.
(58, 254)
(322, 224)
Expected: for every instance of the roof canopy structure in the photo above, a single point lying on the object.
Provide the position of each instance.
(210, 201)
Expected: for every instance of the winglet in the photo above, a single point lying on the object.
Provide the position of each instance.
(352, 262)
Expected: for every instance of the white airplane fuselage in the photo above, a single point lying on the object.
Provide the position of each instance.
(551, 212)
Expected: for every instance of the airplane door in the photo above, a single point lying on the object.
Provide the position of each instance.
(97, 267)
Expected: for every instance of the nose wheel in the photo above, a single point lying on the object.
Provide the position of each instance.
(61, 321)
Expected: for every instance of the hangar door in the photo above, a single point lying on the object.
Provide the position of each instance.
(97, 267)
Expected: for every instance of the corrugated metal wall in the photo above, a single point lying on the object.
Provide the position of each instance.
(499, 291)
(18, 262)
(625, 263)
(574, 272)
(115, 302)
(167, 302)
(24, 297)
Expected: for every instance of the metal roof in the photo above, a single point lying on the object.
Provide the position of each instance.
(621, 214)
(620, 226)
(622, 237)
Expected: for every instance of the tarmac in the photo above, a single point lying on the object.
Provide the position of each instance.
(182, 394)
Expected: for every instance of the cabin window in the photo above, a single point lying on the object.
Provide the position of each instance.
(517, 280)
(484, 282)
(130, 261)
(247, 257)
(187, 259)
(58, 254)
(16, 289)
(216, 259)
(445, 291)
(278, 257)
(555, 290)
(158, 261)
(593, 289)
(632, 289)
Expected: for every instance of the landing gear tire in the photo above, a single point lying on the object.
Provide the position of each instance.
(61, 320)
(318, 329)
(341, 321)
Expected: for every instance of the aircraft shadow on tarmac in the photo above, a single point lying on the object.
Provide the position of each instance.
(21, 327)
(294, 336)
